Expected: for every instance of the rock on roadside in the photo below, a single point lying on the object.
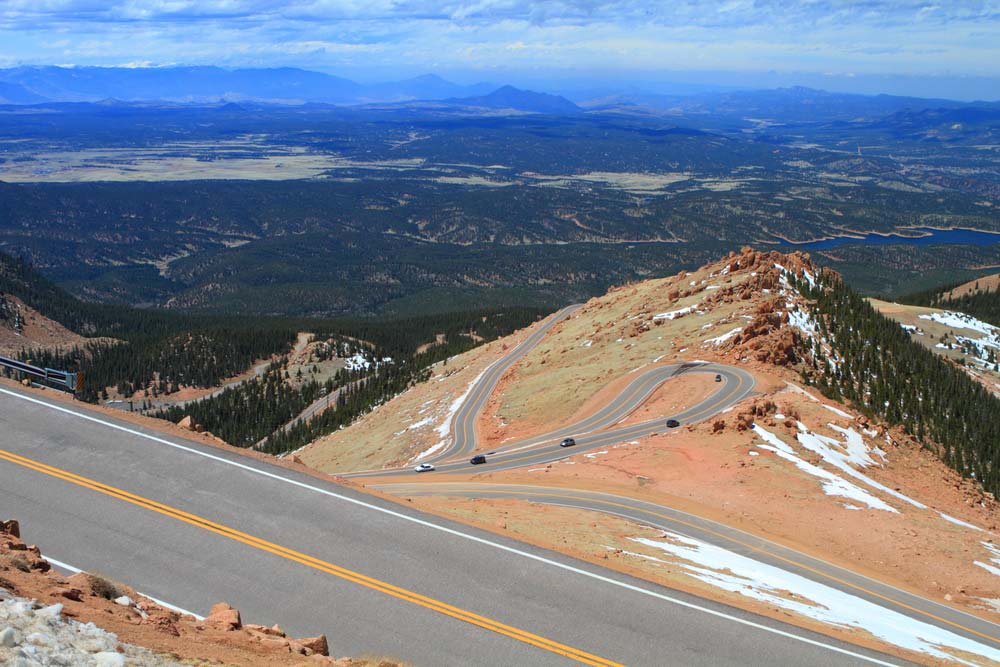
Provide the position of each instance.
(32, 634)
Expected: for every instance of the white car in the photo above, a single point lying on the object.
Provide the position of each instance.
(424, 467)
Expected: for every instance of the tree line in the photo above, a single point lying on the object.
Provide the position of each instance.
(885, 374)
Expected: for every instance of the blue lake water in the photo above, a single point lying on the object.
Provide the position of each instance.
(930, 237)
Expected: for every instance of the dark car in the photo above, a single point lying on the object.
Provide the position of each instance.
(673, 423)
(567, 442)
(718, 378)
(477, 459)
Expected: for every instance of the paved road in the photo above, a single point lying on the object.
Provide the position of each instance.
(727, 537)
(463, 426)
(192, 525)
(596, 430)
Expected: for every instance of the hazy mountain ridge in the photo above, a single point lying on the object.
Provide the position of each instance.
(34, 85)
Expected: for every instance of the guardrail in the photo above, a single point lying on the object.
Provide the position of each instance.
(72, 382)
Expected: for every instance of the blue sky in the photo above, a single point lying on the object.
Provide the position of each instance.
(898, 46)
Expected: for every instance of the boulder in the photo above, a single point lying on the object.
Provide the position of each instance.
(10, 527)
(317, 645)
(225, 617)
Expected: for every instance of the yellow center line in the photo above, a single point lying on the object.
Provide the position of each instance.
(748, 545)
(315, 563)
(616, 436)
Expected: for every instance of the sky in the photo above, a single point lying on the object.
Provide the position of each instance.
(897, 46)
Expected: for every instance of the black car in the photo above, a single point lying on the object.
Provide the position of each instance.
(673, 423)
(718, 378)
(567, 442)
(477, 459)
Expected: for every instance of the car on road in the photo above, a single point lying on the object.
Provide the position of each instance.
(567, 442)
(718, 378)
(424, 467)
(673, 423)
(477, 459)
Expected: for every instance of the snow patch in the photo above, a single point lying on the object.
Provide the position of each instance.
(959, 522)
(719, 340)
(773, 586)
(833, 485)
(675, 313)
(357, 363)
(837, 411)
(994, 559)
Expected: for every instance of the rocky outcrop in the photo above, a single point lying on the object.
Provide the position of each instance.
(37, 627)
(32, 634)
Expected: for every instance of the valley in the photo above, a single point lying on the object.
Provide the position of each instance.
(253, 208)
(491, 369)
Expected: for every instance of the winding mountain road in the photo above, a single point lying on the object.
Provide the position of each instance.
(191, 524)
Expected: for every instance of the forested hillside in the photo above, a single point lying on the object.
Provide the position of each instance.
(882, 372)
(157, 353)
(981, 302)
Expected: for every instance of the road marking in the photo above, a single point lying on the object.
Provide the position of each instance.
(457, 533)
(315, 563)
(76, 570)
(533, 454)
(589, 499)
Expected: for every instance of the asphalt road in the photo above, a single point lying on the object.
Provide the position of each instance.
(593, 432)
(192, 525)
(463, 426)
(727, 537)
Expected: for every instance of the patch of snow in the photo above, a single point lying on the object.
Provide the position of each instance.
(994, 559)
(792, 592)
(853, 450)
(719, 340)
(837, 411)
(796, 388)
(430, 450)
(852, 507)
(444, 429)
(420, 424)
(802, 321)
(832, 484)
(591, 455)
(961, 321)
(586, 343)
(959, 522)
(712, 287)
(778, 415)
(754, 453)
(675, 313)
(357, 363)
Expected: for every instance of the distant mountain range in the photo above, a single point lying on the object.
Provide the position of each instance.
(39, 85)
(786, 105)
(292, 86)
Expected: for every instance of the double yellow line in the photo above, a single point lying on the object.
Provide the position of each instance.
(625, 432)
(314, 563)
(556, 492)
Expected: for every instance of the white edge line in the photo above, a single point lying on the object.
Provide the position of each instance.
(76, 570)
(451, 531)
(531, 488)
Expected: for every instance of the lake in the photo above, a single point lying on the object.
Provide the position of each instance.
(930, 237)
